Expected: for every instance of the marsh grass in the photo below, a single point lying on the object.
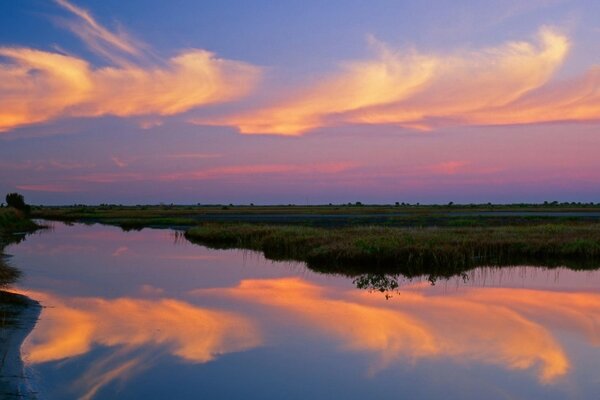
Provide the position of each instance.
(333, 216)
(14, 221)
(13, 226)
(355, 239)
(440, 252)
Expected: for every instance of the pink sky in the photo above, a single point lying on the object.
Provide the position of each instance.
(504, 113)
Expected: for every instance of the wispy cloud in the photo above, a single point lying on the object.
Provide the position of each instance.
(109, 177)
(44, 165)
(449, 167)
(119, 162)
(297, 170)
(36, 85)
(48, 187)
(193, 155)
(259, 169)
(508, 84)
(97, 37)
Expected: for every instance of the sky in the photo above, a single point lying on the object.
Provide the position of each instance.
(300, 102)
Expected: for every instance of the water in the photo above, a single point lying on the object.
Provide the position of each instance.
(147, 315)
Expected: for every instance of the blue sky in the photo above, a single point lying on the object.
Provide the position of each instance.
(300, 101)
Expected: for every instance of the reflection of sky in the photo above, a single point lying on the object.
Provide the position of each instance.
(138, 306)
(396, 101)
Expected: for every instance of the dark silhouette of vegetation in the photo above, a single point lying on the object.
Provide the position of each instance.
(13, 227)
(17, 201)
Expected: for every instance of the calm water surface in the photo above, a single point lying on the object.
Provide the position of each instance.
(145, 315)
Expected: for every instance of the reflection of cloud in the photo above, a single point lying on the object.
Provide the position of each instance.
(191, 257)
(571, 311)
(490, 86)
(36, 85)
(120, 251)
(107, 370)
(71, 326)
(192, 155)
(414, 325)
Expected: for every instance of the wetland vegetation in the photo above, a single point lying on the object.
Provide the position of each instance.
(14, 225)
(356, 239)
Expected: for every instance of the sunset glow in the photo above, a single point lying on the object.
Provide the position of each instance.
(398, 102)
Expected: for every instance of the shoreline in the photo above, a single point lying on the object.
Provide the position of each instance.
(14, 380)
(18, 313)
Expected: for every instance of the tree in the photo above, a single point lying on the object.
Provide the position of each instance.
(17, 201)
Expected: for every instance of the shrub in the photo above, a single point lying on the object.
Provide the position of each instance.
(17, 201)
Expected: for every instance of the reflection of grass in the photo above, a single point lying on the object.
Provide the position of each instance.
(412, 251)
(11, 305)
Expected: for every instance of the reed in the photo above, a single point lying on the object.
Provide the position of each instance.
(411, 251)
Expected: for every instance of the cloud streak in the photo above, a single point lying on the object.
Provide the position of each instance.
(508, 84)
(37, 86)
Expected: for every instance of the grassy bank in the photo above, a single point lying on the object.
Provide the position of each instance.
(438, 252)
(13, 227)
(13, 222)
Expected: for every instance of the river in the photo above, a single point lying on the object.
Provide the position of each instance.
(147, 315)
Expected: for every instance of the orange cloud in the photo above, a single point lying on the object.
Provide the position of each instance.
(421, 91)
(36, 85)
(106, 371)
(576, 99)
(71, 326)
(415, 325)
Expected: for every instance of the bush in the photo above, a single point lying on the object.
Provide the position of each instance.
(17, 201)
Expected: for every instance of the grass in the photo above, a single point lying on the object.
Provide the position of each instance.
(13, 221)
(13, 227)
(434, 251)
(438, 240)
(137, 217)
